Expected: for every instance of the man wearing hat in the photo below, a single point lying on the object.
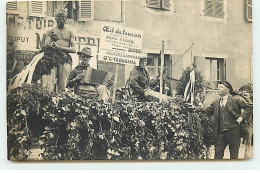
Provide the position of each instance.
(246, 93)
(227, 119)
(79, 72)
(139, 80)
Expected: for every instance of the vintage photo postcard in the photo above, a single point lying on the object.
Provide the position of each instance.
(129, 80)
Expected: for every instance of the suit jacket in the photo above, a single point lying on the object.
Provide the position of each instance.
(139, 80)
(234, 106)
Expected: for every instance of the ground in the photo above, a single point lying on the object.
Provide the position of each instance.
(36, 150)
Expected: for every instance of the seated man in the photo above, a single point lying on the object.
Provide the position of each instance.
(139, 80)
(77, 75)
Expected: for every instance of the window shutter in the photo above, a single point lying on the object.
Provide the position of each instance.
(166, 4)
(218, 8)
(86, 10)
(12, 7)
(36, 8)
(200, 62)
(249, 10)
(154, 3)
(208, 7)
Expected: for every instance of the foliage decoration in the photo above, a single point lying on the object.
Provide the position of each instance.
(80, 128)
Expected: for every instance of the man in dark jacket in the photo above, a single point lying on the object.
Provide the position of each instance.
(227, 120)
(76, 78)
(139, 80)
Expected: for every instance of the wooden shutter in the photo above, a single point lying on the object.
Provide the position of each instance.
(166, 4)
(12, 7)
(200, 62)
(249, 10)
(230, 70)
(208, 8)
(154, 3)
(86, 10)
(36, 8)
(218, 8)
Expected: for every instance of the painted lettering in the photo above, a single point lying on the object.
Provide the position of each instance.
(107, 29)
(91, 39)
(50, 23)
(38, 23)
(18, 38)
(30, 22)
(20, 21)
(40, 42)
(12, 21)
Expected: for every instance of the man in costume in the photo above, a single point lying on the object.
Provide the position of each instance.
(141, 84)
(227, 120)
(76, 78)
(56, 60)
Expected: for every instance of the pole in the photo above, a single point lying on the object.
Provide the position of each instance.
(115, 83)
(161, 72)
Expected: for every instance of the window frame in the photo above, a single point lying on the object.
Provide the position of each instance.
(80, 18)
(248, 5)
(213, 19)
(8, 11)
(213, 12)
(216, 56)
(43, 8)
(159, 5)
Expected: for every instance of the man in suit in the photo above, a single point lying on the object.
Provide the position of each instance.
(227, 119)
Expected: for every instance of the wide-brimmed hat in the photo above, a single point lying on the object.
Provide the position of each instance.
(227, 84)
(148, 58)
(86, 51)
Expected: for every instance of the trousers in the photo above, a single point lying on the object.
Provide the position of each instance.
(230, 138)
(61, 73)
(155, 94)
(100, 92)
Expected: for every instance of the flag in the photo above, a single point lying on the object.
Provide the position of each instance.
(189, 89)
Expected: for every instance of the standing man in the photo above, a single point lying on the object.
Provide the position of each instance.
(227, 120)
(139, 80)
(246, 92)
(59, 43)
(76, 78)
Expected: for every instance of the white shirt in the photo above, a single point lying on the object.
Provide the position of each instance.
(224, 101)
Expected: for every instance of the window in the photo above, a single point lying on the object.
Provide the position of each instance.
(12, 7)
(81, 10)
(214, 70)
(72, 7)
(249, 10)
(154, 64)
(214, 8)
(159, 4)
(86, 11)
(36, 8)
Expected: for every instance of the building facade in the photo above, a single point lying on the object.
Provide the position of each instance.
(219, 33)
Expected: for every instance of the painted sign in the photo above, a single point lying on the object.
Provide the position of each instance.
(29, 35)
(120, 45)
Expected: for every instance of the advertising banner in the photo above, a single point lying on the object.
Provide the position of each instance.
(120, 45)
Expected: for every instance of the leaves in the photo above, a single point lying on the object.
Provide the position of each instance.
(87, 128)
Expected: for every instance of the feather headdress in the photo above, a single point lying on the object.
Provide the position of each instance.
(61, 9)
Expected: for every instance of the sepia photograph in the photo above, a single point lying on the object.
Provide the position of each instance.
(129, 80)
